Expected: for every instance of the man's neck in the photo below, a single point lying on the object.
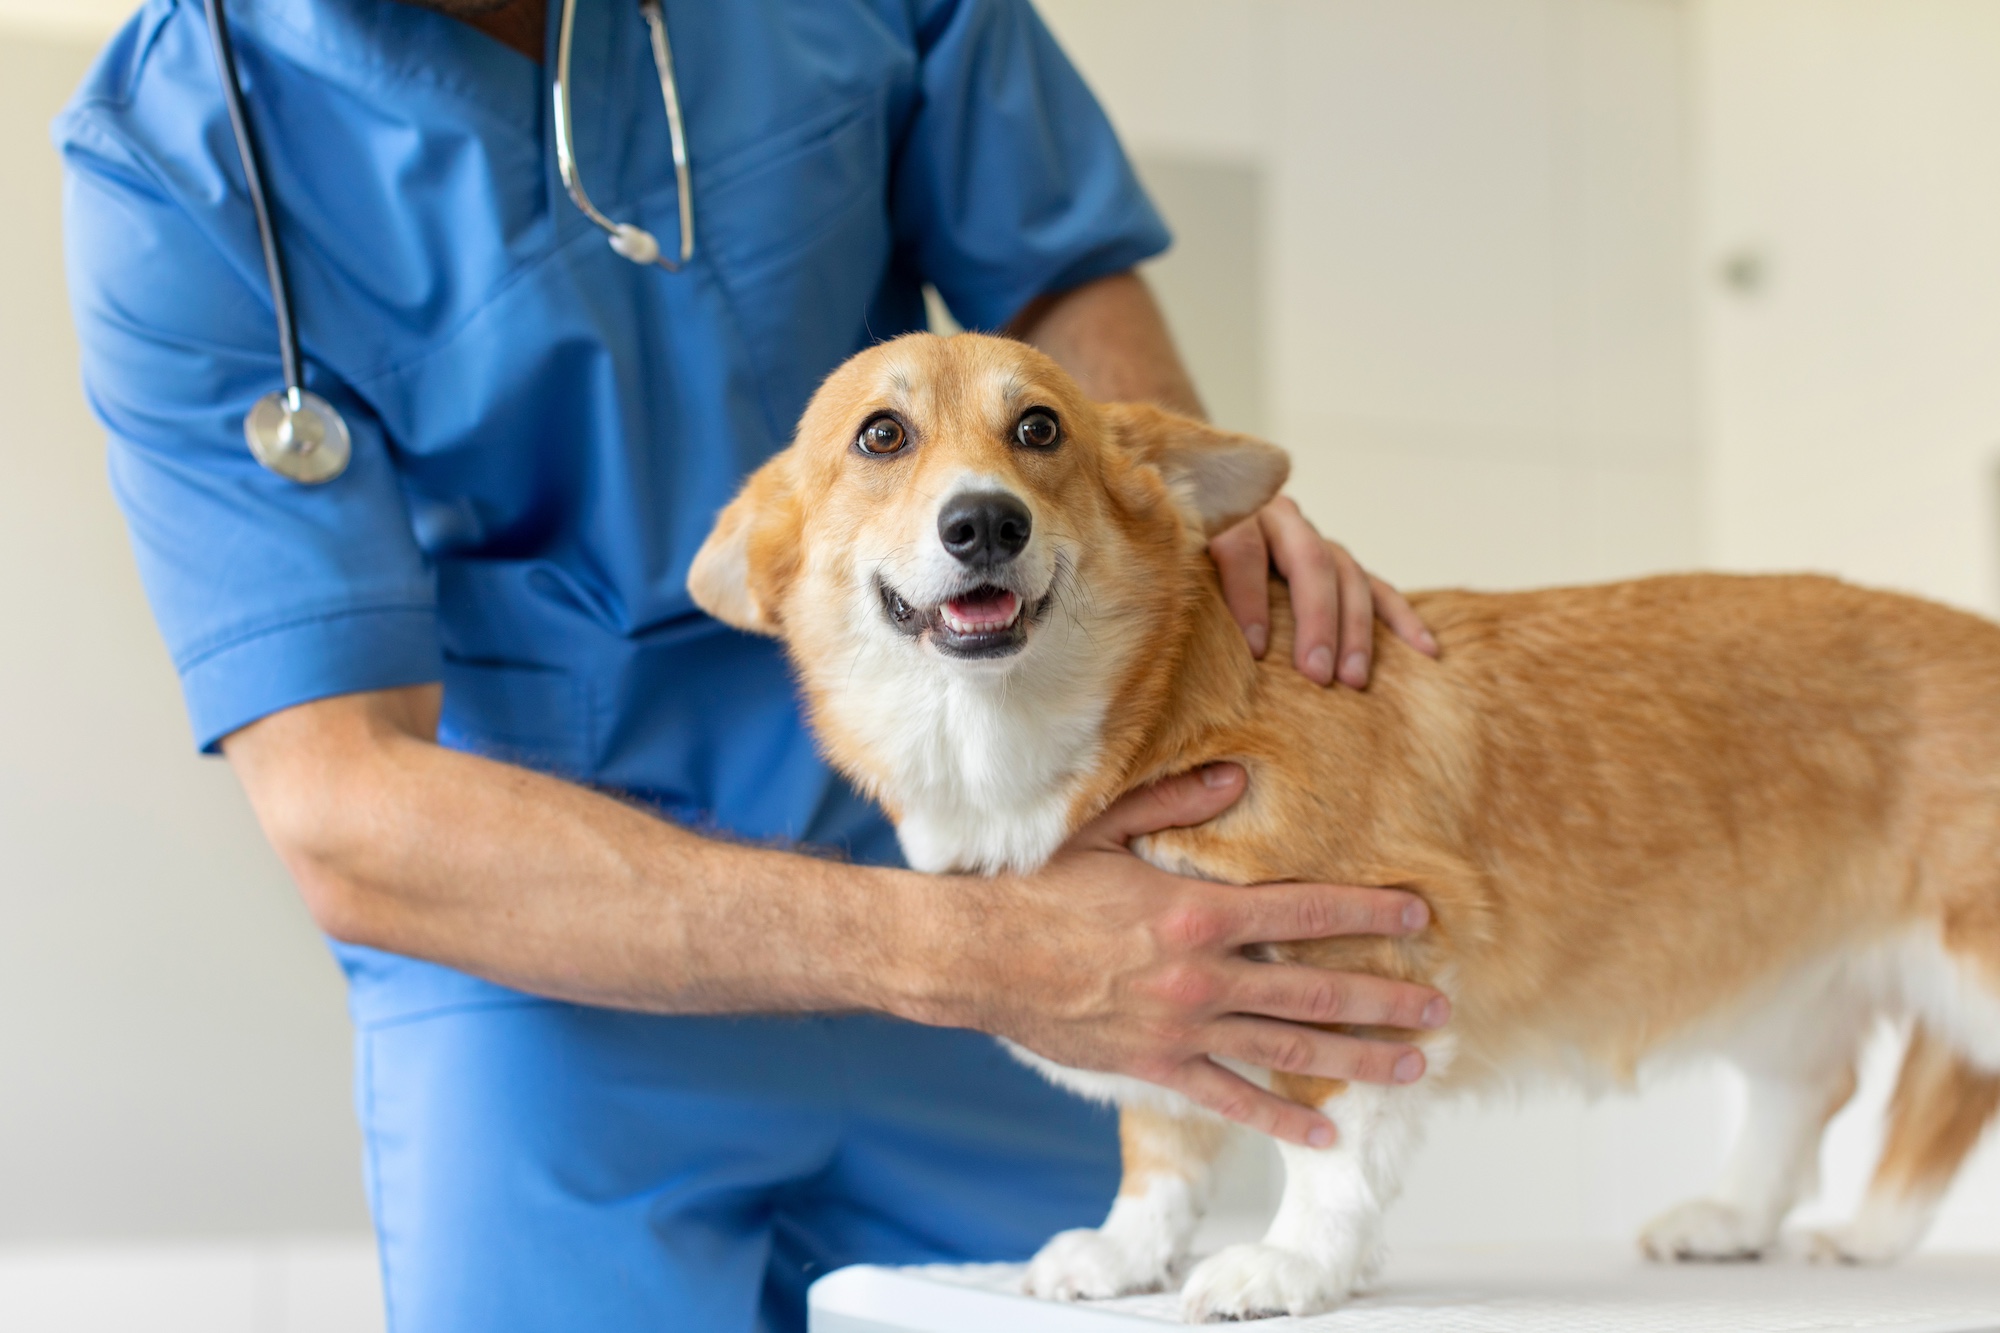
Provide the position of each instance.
(520, 24)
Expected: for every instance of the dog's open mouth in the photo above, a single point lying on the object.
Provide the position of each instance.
(984, 610)
(986, 621)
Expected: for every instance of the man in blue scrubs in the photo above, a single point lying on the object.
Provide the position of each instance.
(624, 1060)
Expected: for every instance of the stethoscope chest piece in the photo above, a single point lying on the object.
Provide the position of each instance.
(299, 436)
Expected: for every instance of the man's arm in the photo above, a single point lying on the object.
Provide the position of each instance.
(1110, 335)
(1112, 338)
(1099, 960)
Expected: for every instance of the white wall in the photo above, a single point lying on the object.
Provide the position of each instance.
(1476, 249)
(80, 20)
(1852, 152)
(173, 1051)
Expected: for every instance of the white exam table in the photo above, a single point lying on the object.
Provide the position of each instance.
(1605, 1290)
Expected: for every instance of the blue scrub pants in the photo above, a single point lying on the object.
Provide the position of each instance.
(543, 1166)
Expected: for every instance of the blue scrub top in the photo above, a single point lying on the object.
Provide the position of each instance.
(543, 432)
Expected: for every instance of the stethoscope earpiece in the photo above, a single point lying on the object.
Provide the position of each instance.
(635, 243)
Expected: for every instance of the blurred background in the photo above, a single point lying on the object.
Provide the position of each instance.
(1535, 291)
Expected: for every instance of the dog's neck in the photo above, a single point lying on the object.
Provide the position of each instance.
(992, 775)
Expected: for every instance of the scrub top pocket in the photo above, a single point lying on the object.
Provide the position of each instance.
(801, 243)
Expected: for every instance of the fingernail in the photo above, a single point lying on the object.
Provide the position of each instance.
(1429, 641)
(1260, 639)
(1215, 775)
(1437, 1012)
(1319, 664)
(1410, 1068)
(1320, 1136)
(1355, 672)
(1416, 915)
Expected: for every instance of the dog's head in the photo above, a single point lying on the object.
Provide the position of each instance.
(956, 509)
(943, 494)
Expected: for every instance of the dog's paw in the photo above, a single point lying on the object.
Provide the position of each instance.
(1841, 1245)
(1706, 1230)
(1089, 1265)
(1262, 1281)
(1879, 1235)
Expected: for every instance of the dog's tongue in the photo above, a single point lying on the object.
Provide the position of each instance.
(982, 609)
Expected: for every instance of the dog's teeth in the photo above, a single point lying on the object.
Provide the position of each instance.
(959, 623)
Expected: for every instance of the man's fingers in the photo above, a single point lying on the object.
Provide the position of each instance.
(1357, 619)
(1235, 1098)
(1316, 995)
(1397, 613)
(1291, 1049)
(1275, 913)
(1244, 563)
(1175, 802)
(1335, 602)
(1306, 560)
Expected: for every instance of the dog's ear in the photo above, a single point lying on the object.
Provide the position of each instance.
(1219, 477)
(740, 573)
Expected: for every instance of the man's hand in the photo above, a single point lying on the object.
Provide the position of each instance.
(1335, 602)
(1100, 961)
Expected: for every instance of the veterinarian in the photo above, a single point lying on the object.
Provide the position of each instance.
(623, 1061)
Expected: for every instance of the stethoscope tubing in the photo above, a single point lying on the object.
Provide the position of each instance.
(670, 93)
(260, 201)
(298, 434)
(633, 242)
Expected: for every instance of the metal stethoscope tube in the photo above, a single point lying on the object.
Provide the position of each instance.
(634, 242)
(296, 433)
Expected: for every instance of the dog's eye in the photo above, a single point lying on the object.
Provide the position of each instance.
(882, 435)
(1038, 430)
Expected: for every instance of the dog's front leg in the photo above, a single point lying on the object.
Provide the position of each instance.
(1326, 1238)
(1169, 1161)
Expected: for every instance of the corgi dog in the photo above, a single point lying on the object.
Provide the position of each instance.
(1746, 817)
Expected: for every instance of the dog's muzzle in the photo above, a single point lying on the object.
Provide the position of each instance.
(984, 621)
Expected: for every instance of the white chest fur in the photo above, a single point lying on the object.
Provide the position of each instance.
(987, 779)
(983, 764)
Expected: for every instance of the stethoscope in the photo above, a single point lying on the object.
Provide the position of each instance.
(295, 432)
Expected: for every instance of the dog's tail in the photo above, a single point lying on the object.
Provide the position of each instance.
(1939, 1111)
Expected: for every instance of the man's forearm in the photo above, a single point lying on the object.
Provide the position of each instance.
(1113, 340)
(553, 888)
(1098, 960)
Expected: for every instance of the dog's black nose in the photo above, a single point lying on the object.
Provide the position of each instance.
(985, 528)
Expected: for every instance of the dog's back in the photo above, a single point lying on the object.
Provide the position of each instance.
(1729, 771)
(1744, 815)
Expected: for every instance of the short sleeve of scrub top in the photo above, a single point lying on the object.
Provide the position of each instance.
(493, 359)
(1010, 183)
(269, 593)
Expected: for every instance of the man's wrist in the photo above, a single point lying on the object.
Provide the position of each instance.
(908, 970)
